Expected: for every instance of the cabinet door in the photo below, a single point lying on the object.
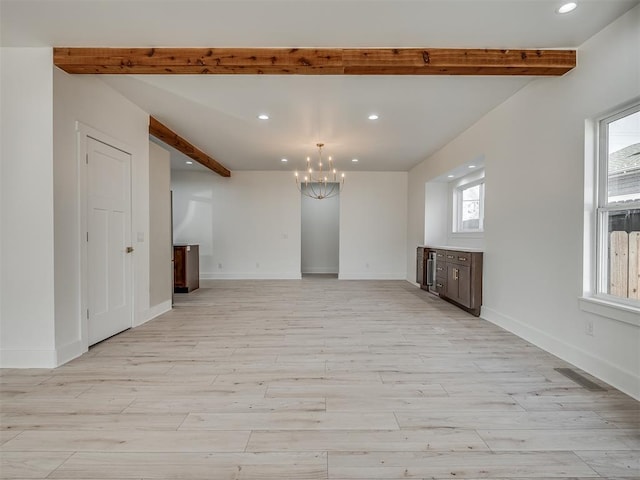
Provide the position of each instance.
(420, 266)
(464, 285)
(179, 267)
(451, 287)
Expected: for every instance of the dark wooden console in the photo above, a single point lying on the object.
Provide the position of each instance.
(186, 268)
(457, 278)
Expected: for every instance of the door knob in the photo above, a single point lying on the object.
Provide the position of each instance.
(129, 249)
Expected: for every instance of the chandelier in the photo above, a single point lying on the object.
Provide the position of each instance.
(321, 183)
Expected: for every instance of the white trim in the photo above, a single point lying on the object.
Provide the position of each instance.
(153, 312)
(475, 234)
(603, 207)
(611, 309)
(323, 270)
(250, 276)
(83, 132)
(601, 368)
(372, 276)
(69, 352)
(477, 177)
(19, 358)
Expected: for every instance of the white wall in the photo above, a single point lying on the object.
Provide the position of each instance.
(27, 240)
(160, 234)
(88, 100)
(436, 218)
(534, 149)
(373, 228)
(41, 211)
(320, 234)
(255, 218)
(247, 226)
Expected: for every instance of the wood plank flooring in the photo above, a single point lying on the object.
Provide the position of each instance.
(313, 379)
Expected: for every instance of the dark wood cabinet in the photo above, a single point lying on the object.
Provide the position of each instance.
(420, 267)
(458, 277)
(186, 268)
(461, 278)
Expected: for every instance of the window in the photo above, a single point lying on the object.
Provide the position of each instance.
(469, 207)
(618, 210)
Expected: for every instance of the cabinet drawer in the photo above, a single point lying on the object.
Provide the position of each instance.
(440, 286)
(459, 258)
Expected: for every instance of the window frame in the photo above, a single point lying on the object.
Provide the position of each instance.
(458, 190)
(603, 209)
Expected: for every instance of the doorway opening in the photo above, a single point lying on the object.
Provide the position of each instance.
(320, 236)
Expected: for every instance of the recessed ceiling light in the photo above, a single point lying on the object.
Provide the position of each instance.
(567, 7)
(284, 160)
(189, 162)
(472, 166)
(263, 116)
(354, 160)
(450, 176)
(373, 116)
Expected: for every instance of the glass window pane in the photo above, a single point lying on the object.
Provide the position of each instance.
(623, 182)
(623, 264)
(471, 208)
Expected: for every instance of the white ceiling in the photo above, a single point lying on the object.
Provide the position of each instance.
(418, 114)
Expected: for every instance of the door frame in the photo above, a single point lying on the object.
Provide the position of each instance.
(83, 133)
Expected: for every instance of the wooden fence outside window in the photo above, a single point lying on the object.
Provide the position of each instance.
(624, 264)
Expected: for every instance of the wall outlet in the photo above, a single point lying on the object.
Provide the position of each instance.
(588, 328)
(257, 265)
(367, 265)
(220, 266)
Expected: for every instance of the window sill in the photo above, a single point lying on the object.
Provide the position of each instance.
(475, 234)
(613, 310)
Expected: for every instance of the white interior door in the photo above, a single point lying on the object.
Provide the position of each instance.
(109, 236)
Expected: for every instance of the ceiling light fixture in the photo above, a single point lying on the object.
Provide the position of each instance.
(284, 160)
(263, 116)
(321, 183)
(472, 166)
(374, 116)
(189, 162)
(450, 176)
(567, 7)
(354, 160)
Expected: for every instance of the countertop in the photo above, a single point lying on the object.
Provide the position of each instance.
(453, 247)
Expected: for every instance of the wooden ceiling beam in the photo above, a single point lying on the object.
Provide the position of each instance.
(169, 137)
(314, 61)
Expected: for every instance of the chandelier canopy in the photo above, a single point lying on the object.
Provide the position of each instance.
(321, 183)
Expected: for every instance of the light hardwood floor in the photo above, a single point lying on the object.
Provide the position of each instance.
(313, 379)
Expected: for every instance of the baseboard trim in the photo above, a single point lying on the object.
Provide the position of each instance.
(372, 276)
(323, 271)
(18, 358)
(153, 312)
(69, 351)
(250, 276)
(615, 376)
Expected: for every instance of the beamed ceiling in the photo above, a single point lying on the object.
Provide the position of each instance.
(429, 68)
